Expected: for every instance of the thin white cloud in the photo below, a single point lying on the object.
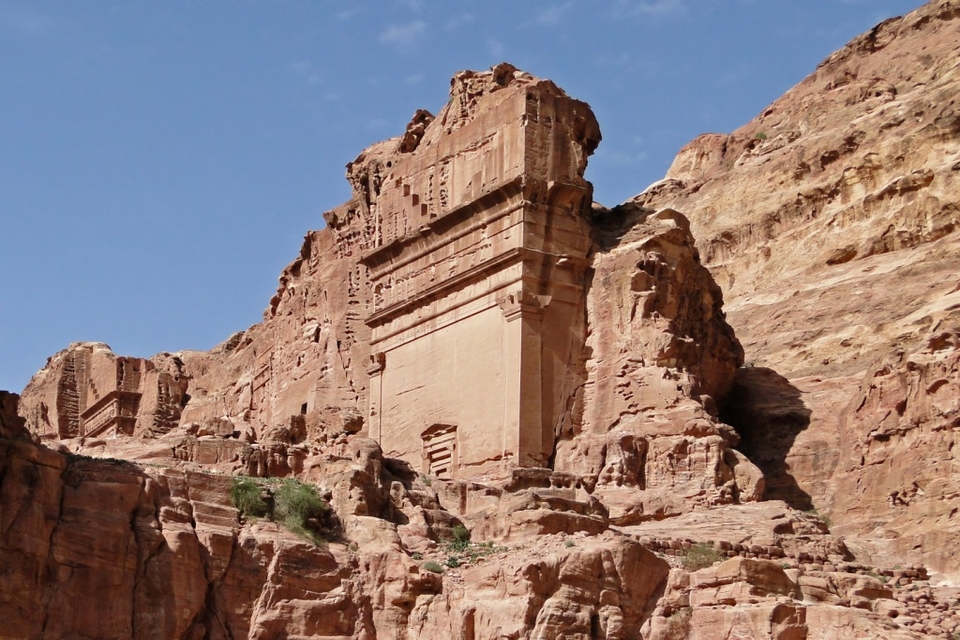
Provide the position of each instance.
(735, 76)
(553, 14)
(459, 20)
(624, 158)
(403, 35)
(624, 153)
(663, 7)
(495, 47)
(416, 78)
(311, 75)
(621, 59)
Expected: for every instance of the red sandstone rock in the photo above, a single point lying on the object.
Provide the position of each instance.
(11, 424)
(457, 211)
(445, 313)
(660, 354)
(896, 482)
(94, 548)
(87, 391)
(831, 221)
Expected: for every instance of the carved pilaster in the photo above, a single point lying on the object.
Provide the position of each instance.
(375, 367)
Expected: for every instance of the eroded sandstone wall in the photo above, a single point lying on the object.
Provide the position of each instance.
(660, 357)
(643, 461)
(88, 391)
(101, 548)
(831, 221)
(94, 548)
(469, 311)
(477, 275)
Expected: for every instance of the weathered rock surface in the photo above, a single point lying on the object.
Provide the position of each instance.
(660, 352)
(469, 312)
(87, 391)
(898, 456)
(625, 506)
(12, 425)
(466, 216)
(99, 548)
(94, 548)
(831, 222)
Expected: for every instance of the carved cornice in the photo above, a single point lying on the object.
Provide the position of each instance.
(523, 304)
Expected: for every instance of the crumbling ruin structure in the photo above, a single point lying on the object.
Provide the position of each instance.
(88, 392)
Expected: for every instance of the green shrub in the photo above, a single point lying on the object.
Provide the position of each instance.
(479, 550)
(461, 538)
(82, 457)
(431, 565)
(823, 517)
(700, 556)
(761, 136)
(453, 562)
(295, 503)
(246, 495)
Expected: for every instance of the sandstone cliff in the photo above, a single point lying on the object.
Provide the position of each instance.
(626, 504)
(831, 222)
(621, 358)
(100, 548)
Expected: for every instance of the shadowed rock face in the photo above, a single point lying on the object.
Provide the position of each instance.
(831, 221)
(11, 424)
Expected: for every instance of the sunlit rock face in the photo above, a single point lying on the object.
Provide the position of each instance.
(470, 310)
(473, 347)
(88, 391)
(479, 234)
(831, 221)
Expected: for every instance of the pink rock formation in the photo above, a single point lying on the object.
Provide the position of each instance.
(87, 391)
(95, 548)
(104, 549)
(445, 313)
(898, 456)
(469, 344)
(831, 222)
(660, 352)
(476, 255)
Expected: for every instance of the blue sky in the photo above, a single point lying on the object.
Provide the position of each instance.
(160, 162)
